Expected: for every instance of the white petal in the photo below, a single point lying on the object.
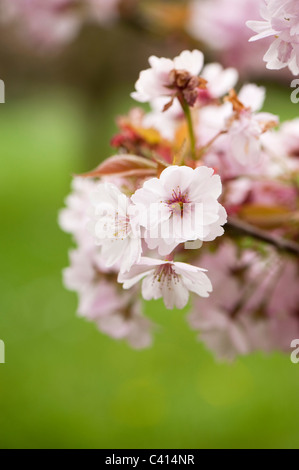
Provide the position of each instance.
(263, 28)
(190, 61)
(252, 96)
(197, 282)
(220, 80)
(175, 294)
(151, 288)
(271, 56)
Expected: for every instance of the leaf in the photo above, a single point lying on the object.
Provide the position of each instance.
(150, 135)
(268, 217)
(124, 165)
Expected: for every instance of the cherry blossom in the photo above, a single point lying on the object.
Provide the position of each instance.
(97, 295)
(75, 217)
(115, 230)
(255, 307)
(51, 23)
(129, 325)
(240, 120)
(220, 25)
(167, 279)
(219, 81)
(281, 20)
(179, 206)
(155, 213)
(166, 119)
(168, 77)
(101, 301)
(283, 145)
(247, 126)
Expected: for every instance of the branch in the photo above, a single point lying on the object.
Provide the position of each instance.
(206, 147)
(188, 116)
(243, 228)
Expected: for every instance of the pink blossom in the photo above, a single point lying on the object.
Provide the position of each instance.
(273, 193)
(166, 77)
(75, 217)
(179, 206)
(133, 327)
(86, 276)
(114, 228)
(245, 131)
(254, 305)
(47, 23)
(219, 80)
(115, 312)
(235, 161)
(167, 279)
(221, 25)
(281, 20)
(283, 145)
(225, 337)
(289, 139)
(241, 126)
(50, 23)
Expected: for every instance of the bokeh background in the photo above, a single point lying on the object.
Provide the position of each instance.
(64, 384)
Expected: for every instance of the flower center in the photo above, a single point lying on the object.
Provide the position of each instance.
(177, 201)
(186, 84)
(122, 226)
(166, 274)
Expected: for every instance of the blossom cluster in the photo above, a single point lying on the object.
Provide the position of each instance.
(51, 23)
(150, 221)
(281, 21)
(220, 25)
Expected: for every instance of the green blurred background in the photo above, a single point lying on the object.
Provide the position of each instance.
(64, 384)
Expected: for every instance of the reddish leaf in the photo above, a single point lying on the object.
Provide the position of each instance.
(124, 165)
(267, 217)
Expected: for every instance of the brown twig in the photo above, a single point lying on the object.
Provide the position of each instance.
(240, 227)
(206, 147)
